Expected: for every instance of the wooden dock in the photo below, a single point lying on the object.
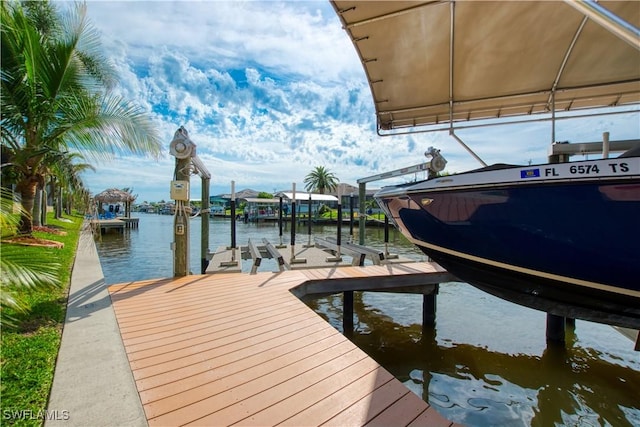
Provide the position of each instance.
(243, 349)
(118, 224)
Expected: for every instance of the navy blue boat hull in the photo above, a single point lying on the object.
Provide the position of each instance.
(571, 249)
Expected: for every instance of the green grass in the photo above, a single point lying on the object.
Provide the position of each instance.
(28, 354)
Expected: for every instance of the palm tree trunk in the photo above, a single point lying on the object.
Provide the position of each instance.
(43, 210)
(58, 207)
(27, 188)
(37, 208)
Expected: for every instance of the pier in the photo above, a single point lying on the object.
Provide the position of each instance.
(118, 224)
(243, 348)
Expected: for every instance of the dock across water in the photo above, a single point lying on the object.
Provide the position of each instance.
(222, 349)
(118, 224)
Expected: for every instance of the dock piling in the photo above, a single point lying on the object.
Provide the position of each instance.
(309, 245)
(429, 308)
(280, 221)
(204, 228)
(555, 328)
(347, 313)
(233, 262)
(181, 222)
(351, 218)
(386, 240)
(293, 259)
(338, 256)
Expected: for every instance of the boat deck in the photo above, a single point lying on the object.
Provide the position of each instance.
(242, 349)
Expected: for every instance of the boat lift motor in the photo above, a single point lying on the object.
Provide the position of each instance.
(437, 162)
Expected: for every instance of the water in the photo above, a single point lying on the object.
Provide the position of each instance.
(485, 363)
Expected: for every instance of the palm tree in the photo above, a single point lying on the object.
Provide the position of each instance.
(320, 179)
(19, 271)
(56, 96)
(66, 179)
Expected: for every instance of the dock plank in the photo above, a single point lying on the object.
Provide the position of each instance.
(201, 404)
(242, 349)
(339, 401)
(262, 358)
(311, 395)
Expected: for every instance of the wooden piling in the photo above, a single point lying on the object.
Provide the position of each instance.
(347, 313)
(555, 328)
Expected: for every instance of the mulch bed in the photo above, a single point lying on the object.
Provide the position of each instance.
(37, 241)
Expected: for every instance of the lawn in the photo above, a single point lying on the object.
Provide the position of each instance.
(28, 353)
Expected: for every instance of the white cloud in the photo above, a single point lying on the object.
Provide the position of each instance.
(269, 90)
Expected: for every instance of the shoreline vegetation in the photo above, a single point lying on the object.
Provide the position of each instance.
(28, 353)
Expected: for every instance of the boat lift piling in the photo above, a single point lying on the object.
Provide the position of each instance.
(280, 221)
(387, 254)
(204, 218)
(338, 255)
(233, 262)
(187, 162)
(308, 245)
(233, 221)
(351, 218)
(293, 259)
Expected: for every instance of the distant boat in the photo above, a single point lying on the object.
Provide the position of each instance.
(562, 237)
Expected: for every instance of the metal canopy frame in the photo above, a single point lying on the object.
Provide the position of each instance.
(564, 58)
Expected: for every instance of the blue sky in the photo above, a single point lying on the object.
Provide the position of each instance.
(268, 90)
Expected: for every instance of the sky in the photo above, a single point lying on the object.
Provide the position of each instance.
(269, 90)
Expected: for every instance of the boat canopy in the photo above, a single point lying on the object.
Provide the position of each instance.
(451, 62)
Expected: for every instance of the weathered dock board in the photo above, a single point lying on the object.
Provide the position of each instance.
(242, 349)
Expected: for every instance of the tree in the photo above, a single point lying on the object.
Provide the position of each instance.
(56, 97)
(65, 180)
(320, 179)
(19, 270)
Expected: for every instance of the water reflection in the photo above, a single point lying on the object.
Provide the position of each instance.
(476, 385)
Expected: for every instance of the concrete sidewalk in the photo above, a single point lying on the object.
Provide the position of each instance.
(93, 384)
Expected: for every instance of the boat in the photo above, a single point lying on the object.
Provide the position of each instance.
(562, 237)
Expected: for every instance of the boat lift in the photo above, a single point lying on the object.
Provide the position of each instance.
(436, 164)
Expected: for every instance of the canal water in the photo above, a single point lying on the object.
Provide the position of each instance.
(486, 362)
